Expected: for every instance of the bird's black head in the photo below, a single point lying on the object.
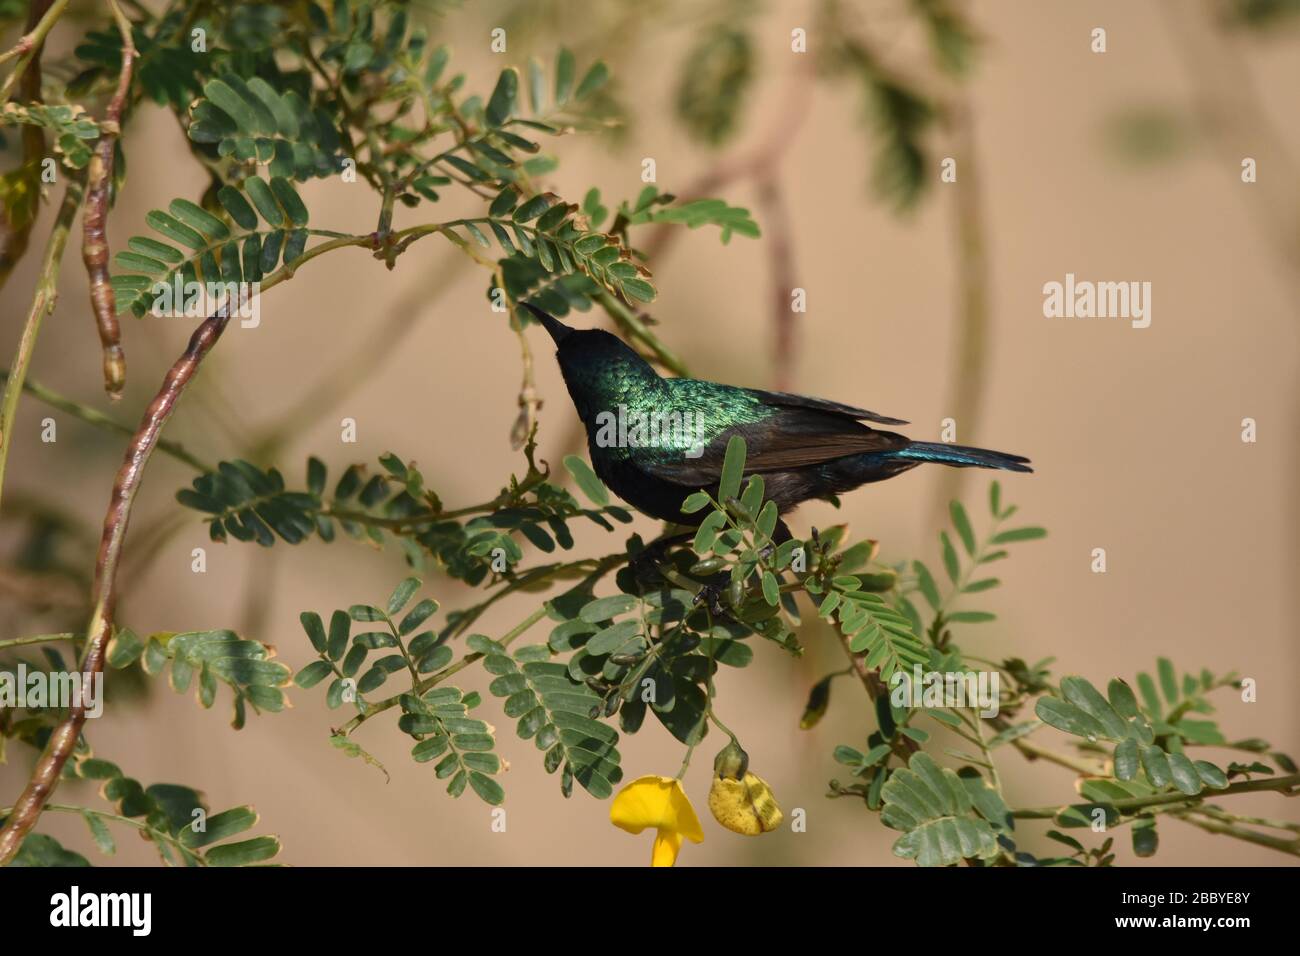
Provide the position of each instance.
(557, 329)
(600, 370)
(583, 346)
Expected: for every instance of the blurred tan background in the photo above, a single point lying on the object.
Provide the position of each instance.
(1135, 434)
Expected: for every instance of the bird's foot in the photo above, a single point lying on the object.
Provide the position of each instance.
(645, 565)
(710, 595)
(713, 594)
(780, 535)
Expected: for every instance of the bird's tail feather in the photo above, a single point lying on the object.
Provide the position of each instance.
(962, 456)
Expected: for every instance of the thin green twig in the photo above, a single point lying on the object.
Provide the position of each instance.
(42, 304)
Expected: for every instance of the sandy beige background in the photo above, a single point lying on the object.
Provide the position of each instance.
(1134, 433)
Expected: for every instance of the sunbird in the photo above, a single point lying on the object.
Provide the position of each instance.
(654, 440)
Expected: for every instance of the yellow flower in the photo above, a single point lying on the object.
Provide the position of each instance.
(741, 801)
(745, 806)
(658, 802)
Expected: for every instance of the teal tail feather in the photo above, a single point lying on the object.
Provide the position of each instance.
(962, 456)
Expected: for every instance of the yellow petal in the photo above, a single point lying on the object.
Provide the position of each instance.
(729, 804)
(764, 802)
(642, 803)
(657, 802)
(684, 819)
(744, 806)
(665, 849)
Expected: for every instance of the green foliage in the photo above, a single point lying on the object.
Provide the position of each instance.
(1083, 711)
(436, 717)
(1151, 733)
(393, 504)
(900, 118)
(561, 272)
(653, 206)
(619, 643)
(287, 93)
(557, 293)
(247, 667)
(960, 568)
(556, 712)
(715, 79)
(42, 850)
(586, 480)
(253, 124)
(883, 635)
(1081, 855)
(1189, 695)
(460, 744)
(177, 820)
(167, 67)
(202, 247)
(253, 505)
(1259, 14)
(951, 39)
(543, 229)
(901, 110)
(74, 131)
(941, 823)
(174, 818)
(496, 141)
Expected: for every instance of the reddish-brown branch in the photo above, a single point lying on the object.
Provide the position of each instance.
(762, 165)
(45, 776)
(94, 243)
(758, 163)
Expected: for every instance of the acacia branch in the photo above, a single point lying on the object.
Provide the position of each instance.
(1289, 845)
(1032, 751)
(147, 832)
(529, 404)
(762, 165)
(1289, 785)
(94, 243)
(45, 776)
(758, 163)
(37, 639)
(63, 739)
(93, 416)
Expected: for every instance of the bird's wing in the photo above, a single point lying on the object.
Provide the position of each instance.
(796, 433)
(786, 400)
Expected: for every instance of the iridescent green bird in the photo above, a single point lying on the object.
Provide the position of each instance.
(803, 447)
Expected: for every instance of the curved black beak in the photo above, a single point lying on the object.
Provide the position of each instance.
(558, 330)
